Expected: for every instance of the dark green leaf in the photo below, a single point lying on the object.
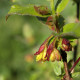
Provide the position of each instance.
(61, 22)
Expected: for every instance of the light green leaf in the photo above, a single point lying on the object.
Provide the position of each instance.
(61, 6)
(52, 6)
(57, 67)
(72, 29)
(27, 10)
(76, 75)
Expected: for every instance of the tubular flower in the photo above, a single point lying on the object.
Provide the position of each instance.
(55, 55)
(41, 55)
(49, 50)
(66, 46)
(40, 49)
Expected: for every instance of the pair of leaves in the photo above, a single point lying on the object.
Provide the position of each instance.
(30, 10)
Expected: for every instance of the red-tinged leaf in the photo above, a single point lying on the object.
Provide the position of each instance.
(43, 10)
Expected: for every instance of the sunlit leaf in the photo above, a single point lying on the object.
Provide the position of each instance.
(27, 10)
(76, 75)
(57, 67)
(52, 6)
(62, 5)
(73, 29)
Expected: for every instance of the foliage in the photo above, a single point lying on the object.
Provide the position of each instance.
(51, 49)
(15, 44)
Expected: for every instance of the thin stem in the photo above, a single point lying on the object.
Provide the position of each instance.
(64, 57)
(75, 64)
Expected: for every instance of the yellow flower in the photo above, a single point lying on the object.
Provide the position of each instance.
(55, 55)
(42, 56)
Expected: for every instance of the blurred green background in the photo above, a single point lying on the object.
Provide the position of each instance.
(20, 38)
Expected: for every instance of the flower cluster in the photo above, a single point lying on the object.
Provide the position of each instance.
(49, 49)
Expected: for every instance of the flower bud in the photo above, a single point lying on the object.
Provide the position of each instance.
(50, 23)
(66, 46)
(55, 55)
(41, 55)
(40, 49)
(52, 57)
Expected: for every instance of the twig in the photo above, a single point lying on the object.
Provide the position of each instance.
(74, 64)
(64, 57)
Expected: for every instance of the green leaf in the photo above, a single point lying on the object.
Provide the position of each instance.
(76, 75)
(61, 6)
(57, 67)
(52, 6)
(27, 10)
(72, 29)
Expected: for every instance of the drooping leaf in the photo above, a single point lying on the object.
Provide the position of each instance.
(27, 10)
(62, 5)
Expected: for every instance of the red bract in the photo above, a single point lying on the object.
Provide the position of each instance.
(49, 50)
(50, 18)
(50, 23)
(65, 41)
(43, 10)
(40, 49)
(66, 45)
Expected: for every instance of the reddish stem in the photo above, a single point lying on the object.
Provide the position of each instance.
(64, 57)
(75, 64)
